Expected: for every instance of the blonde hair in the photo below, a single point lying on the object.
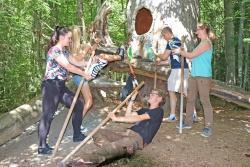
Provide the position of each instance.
(210, 33)
(75, 46)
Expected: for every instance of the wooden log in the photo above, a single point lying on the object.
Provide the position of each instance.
(219, 89)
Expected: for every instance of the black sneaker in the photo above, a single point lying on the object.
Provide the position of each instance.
(50, 148)
(79, 138)
(45, 151)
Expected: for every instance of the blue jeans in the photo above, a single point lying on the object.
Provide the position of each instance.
(77, 79)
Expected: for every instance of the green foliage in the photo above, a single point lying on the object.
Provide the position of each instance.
(117, 28)
(212, 12)
(246, 40)
(26, 26)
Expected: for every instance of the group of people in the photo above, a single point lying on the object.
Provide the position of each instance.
(201, 75)
(66, 54)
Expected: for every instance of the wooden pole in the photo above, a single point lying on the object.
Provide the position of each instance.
(155, 75)
(182, 86)
(62, 163)
(71, 110)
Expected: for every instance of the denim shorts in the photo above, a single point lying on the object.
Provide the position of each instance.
(77, 79)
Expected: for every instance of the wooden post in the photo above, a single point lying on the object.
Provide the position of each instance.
(155, 76)
(62, 163)
(182, 85)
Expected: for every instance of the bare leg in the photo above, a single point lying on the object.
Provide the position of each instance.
(173, 101)
(88, 99)
(110, 57)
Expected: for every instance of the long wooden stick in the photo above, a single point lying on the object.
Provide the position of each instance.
(182, 86)
(71, 110)
(155, 76)
(62, 163)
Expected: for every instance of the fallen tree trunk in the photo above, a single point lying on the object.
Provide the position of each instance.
(219, 89)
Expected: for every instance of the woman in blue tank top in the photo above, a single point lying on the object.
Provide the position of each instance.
(201, 77)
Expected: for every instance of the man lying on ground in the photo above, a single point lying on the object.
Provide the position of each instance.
(117, 144)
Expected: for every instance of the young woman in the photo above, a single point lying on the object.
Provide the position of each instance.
(79, 57)
(201, 77)
(54, 89)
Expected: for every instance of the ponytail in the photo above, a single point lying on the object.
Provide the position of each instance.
(56, 34)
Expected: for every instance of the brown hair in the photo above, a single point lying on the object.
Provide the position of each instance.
(162, 94)
(59, 31)
(209, 32)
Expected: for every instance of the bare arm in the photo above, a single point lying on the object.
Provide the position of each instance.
(202, 47)
(130, 118)
(65, 63)
(76, 62)
(130, 104)
(165, 55)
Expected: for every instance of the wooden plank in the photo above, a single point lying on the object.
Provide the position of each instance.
(219, 89)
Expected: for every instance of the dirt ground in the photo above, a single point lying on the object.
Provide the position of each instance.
(229, 146)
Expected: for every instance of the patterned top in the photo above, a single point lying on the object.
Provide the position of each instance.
(175, 58)
(53, 69)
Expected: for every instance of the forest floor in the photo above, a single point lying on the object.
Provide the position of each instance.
(229, 146)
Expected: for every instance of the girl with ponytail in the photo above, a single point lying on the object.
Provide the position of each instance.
(54, 90)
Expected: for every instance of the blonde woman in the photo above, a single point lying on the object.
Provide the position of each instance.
(79, 57)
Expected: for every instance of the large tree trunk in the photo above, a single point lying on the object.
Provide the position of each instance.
(246, 83)
(240, 45)
(80, 19)
(181, 16)
(229, 41)
(100, 24)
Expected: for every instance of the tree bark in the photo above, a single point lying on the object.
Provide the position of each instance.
(246, 83)
(80, 19)
(180, 16)
(229, 41)
(100, 24)
(240, 45)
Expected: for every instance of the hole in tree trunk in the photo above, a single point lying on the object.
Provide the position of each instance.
(143, 21)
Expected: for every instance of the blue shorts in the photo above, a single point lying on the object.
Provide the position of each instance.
(77, 79)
